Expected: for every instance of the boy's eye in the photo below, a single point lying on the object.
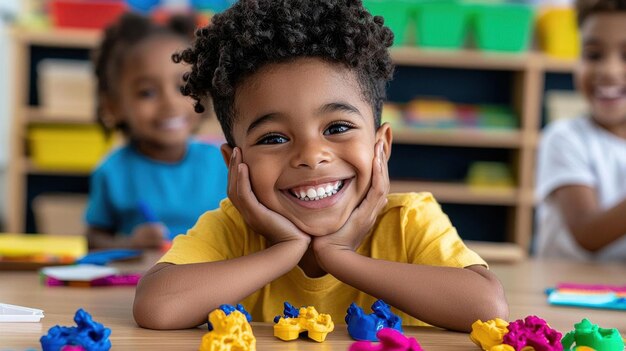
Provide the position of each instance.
(338, 128)
(270, 139)
(592, 56)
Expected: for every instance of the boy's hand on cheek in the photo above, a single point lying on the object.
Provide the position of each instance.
(362, 219)
(274, 227)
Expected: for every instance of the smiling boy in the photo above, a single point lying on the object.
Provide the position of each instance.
(298, 88)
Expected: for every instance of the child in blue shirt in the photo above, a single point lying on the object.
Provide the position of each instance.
(156, 185)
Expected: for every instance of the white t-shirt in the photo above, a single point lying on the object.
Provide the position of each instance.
(578, 152)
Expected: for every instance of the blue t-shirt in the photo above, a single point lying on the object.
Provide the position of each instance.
(176, 193)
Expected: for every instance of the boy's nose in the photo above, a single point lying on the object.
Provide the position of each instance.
(311, 154)
(614, 67)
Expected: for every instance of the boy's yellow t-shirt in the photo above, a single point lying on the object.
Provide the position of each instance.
(412, 228)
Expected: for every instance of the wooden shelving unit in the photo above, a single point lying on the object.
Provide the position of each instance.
(459, 137)
(557, 65)
(528, 70)
(38, 115)
(24, 115)
(65, 38)
(459, 193)
(411, 56)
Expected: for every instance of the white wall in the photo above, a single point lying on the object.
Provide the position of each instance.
(7, 8)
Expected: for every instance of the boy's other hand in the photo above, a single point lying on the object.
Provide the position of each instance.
(274, 227)
(148, 235)
(362, 219)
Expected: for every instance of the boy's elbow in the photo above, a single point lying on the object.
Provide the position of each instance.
(146, 316)
(493, 302)
(500, 309)
(153, 313)
(496, 305)
(151, 316)
(490, 305)
(150, 310)
(489, 309)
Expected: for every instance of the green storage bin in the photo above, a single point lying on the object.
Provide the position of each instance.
(503, 27)
(441, 24)
(397, 14)
(496, 117)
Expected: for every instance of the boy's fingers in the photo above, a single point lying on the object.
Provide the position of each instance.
(232, 173)
(234, 178)
(378, 189)
(244, 190)
(384, 170)
(377, 169)
(376, 197)
(383, 161)
(383, 176)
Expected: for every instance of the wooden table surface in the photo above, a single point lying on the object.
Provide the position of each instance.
(524, 284)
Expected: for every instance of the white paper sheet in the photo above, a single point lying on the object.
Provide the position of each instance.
(80, 272)
(19, 314)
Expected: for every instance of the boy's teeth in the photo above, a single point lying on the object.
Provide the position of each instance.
(317, 192)
(311, 193)
(609, 92)
(321, 192)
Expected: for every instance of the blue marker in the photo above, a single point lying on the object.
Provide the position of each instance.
(147, 212)
(149, 216)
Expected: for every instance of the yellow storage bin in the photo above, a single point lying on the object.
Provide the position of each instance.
(68, 147)
(558, 33)
(490, 174)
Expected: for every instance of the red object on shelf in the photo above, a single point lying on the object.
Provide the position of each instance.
(90, 14)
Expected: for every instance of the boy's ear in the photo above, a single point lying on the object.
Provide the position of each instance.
(384, 133)
(227, 151)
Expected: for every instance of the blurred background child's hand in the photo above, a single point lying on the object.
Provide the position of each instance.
(149, 236)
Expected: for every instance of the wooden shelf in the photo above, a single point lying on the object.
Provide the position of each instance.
(39, 115)
(459, 193)
(554, 65)
(475, 59)
(73, 38)
(506, 139)
(465, 58)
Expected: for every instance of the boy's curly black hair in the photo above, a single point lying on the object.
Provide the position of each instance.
(585, 8)
(119, 38)
(254, 33)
